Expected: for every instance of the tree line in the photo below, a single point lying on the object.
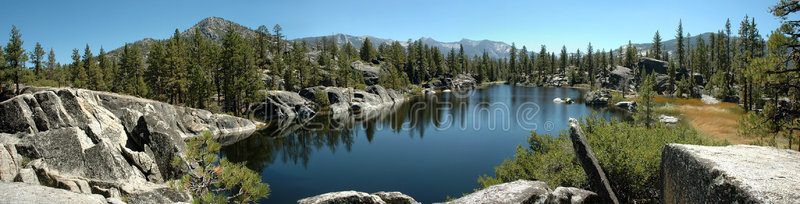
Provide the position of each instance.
(195, 71)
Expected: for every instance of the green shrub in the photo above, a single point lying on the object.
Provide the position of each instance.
(630, 155)
(547, 158)
(214, 180)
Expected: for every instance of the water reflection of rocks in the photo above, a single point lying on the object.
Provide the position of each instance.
(294, 141)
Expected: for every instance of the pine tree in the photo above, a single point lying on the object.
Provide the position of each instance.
(368, 52)
(563, 58)
(109, 69)
(132, 71)
(262, 46)
(463, 59)
(700, 61)
(37, 58)
(680, 49)
(50, 66)
(94, 74)
(15, 56)
(200, 69)
(543, 64)
(646, 95)
(237, 71)
(81, 79)
(630, 55)
(512, 62)
(590, 64)
(156, 69)
(655, 48)
(611, 60)
(175, 68)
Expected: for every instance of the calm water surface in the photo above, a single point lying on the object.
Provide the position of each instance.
(428, 147)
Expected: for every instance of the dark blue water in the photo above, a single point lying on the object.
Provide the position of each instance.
(429, 147)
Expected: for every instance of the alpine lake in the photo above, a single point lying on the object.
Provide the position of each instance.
(428, 147)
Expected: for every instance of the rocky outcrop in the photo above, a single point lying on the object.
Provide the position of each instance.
(730, 174)
(285, 105)
(102, 143)
(370, 73)
(523, 191)
(459, 82)
(342, 100)
(598, 97)
(650, 65)
(395, 198)
(30, 193)
(598, 181)
(520, 191)
(620, 79)
(557, 81)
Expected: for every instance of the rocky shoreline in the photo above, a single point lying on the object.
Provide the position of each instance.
(92, 142)
(341, 101)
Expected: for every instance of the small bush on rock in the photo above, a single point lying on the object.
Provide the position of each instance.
(213, 180)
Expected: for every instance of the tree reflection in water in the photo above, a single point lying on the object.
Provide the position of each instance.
(293, 141)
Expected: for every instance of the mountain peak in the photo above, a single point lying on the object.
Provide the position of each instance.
(214, 29)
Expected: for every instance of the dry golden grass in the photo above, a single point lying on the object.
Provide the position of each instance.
(718, 121)
(715, 121)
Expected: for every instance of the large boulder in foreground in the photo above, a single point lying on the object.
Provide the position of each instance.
(342, 197)
(523, 191)
(27, 193)
(730, 174)
(520, 191)
(103, 143)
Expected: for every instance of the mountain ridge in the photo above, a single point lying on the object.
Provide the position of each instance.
(214, 28)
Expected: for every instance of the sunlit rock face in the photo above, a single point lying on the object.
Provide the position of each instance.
(730, 174)
(102, 143)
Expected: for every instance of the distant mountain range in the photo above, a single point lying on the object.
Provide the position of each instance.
(214, 28)
(494, 49)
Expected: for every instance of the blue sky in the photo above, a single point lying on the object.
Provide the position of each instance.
(65, 25)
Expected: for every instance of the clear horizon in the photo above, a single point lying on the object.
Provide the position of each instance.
(605, 24)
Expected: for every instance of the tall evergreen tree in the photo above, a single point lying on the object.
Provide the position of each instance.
(50, 66)
(37, 58)
(368, 52)
(175, 68)
(201, 64)
(80, 77)
(655, 48)
(94, 74)
(512, 62)
(680, 49)
(590, 64)
(108, 69)
(563, 57)
(542, 64)
(237, 70)
(156, 69)
(630, 55)
(15, 56)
